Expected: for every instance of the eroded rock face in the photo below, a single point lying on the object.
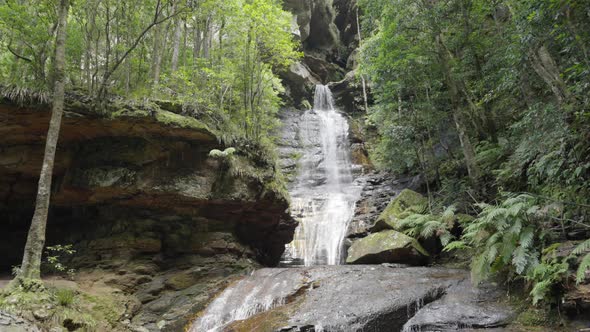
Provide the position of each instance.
(363, 298)
(140, 199)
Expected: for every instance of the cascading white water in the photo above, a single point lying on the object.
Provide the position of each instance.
(324, 196)
(323, 201)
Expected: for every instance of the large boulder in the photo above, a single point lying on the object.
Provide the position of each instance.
(386, 247)
(408, 201)
(299, 81)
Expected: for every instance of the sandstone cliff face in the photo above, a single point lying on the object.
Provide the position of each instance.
(138, 196)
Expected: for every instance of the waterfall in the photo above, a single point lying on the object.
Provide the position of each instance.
(323, 201)
(324, 196)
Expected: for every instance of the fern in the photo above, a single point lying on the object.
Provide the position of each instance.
(425, 226)
(456, 245)
(583, 268)
(504, 236)
(582, 248)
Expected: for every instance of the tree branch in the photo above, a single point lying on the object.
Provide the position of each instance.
(18, 55)
(119, 61)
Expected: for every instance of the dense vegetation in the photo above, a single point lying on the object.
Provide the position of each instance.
(488, 99)
(213, 56)
(509, 81)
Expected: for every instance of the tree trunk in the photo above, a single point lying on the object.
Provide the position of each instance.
(358, 28)
(31, 265)
(456, 101)
(546, 67)
(176, 44)
(157, 55)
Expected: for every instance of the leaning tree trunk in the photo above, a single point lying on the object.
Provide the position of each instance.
(31, 265)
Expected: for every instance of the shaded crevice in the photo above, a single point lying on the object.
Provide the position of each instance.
(395, 320)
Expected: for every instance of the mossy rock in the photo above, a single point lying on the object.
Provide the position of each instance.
(388, 246)
(407, 202)
(179, 121)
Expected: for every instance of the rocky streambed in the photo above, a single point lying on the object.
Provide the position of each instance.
(355, 298)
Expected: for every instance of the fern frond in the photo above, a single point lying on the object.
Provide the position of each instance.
(516, 227)
(430, 228)
(446, 238)
(492, 252)
(516, 209)
(526, 237)
(582, 269)
(540, 290)
(480, 269)
(582, 248)
(493, 214)
(455, 245)
(519, 260)
(448, 215)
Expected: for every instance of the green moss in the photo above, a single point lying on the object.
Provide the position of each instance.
(535, 317)
(401, 206)
(179, 121)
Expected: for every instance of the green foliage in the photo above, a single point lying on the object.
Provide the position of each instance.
(425, 226)
(505, 236)
(55, 257)
(64, 297)
(545, 276)
(583, 249)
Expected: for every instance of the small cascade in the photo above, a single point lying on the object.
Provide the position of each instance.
(324, 196)
(263, 290)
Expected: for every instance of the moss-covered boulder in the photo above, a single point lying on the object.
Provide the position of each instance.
(388, 246)
(402, 205)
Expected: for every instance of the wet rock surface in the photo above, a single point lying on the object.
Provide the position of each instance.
(371, 298)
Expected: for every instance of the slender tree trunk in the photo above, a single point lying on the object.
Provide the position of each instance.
(456, 101)
(157, 55)
(176, 44)
(31, 265)
(207, 35)
(197, 42)
(358, 28)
